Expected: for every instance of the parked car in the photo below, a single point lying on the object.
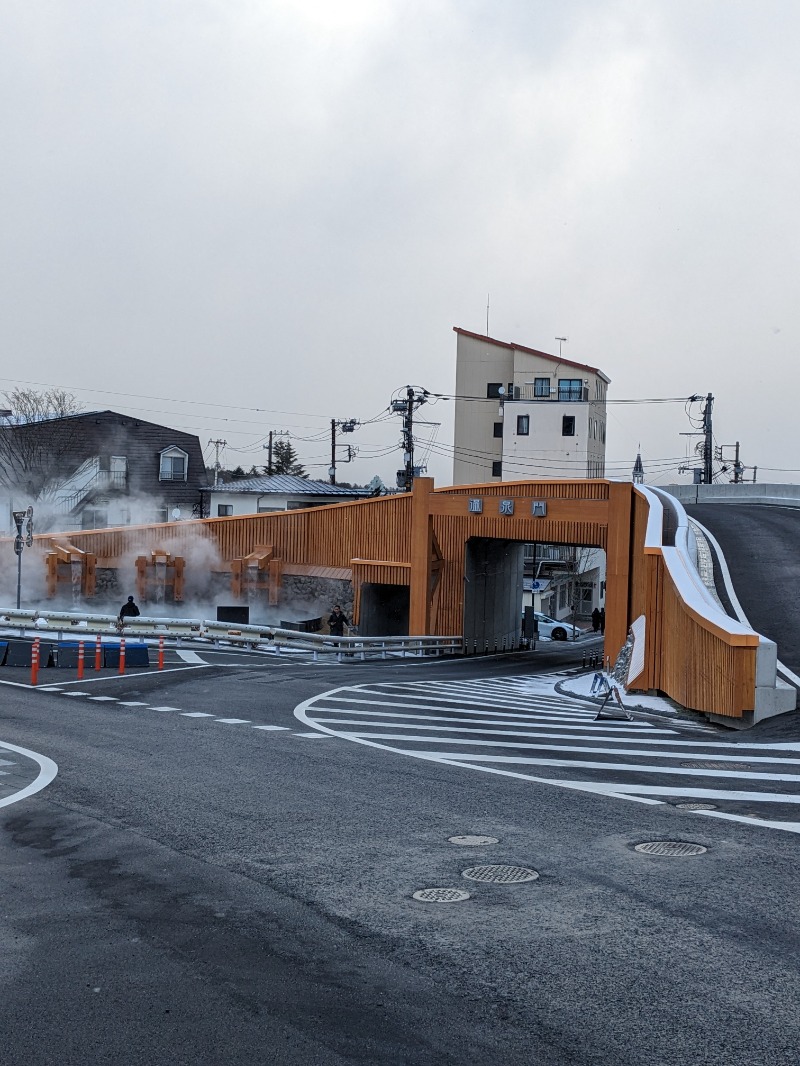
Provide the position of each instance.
(555, 630)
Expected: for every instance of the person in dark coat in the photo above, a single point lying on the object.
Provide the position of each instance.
(602, 620)
(595, 619)
(337, 622)
(128, 610)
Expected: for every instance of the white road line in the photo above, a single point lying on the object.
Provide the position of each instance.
(552, 715)
(196, 714)
(47, 771)
(75, 693)
(166, 708)
(271, 727)
(380, 718)
(314, 736)
(688, 748)
(132, 703)
(190, 657)
(233, 721)
(105, 699)
(633, 768)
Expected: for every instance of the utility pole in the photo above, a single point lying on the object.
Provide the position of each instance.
(414, 398)
(708, 442)
(332, 471)
(217, 445)
(346, 425)
(269, 455)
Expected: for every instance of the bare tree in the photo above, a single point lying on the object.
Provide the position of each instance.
(36, 440)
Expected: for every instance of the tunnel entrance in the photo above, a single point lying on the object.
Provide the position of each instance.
(493, 572)
(384, 610)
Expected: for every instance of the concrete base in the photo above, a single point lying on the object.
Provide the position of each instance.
(782, 699)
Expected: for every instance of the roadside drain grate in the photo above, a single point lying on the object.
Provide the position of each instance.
(441, 895)
(673, 848)
(696, 806)
(473, 841)
(716, 766)
(501, 875)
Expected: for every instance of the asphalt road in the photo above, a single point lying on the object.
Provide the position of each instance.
(196, 889)
(760, 544)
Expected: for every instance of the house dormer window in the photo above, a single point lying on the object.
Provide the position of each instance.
(173, 465)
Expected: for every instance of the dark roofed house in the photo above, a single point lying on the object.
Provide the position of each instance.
(100, 468)
(276, 492)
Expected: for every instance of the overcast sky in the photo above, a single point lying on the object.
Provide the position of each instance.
(282, 208)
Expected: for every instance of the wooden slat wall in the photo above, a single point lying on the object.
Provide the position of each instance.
(698, 667)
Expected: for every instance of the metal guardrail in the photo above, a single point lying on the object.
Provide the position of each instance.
(69, 625)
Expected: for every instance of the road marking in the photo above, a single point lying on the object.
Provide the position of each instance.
(233, 721)
(195, 714)
(105, 699)
(131, 703)
(314, 736)
(558, 733)
(190, 657)
(271, 727)
(75, 694)
(163, 708)
(47, 771)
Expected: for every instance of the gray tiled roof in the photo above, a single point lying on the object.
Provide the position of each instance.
(288, 483)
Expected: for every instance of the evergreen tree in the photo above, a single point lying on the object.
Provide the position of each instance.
(284, 460)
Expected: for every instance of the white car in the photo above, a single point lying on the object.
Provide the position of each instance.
(555, 630)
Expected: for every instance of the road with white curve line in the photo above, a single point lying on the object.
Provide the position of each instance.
(246, 860)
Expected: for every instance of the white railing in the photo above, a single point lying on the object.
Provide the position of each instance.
(60, 625)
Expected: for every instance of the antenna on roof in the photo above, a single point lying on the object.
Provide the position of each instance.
(561, 340)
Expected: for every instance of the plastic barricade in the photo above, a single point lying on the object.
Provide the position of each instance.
(135, 654)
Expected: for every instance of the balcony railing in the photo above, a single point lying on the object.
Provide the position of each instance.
(562, 394)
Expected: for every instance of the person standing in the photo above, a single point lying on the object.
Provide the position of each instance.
(602, 619)
(595, 619)
(128, 610)
(337, 622)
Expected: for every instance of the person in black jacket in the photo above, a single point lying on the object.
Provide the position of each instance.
(337, 622)
(128, 610)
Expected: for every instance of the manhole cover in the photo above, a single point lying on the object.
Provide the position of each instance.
(697, 806)
(672, 848)
(501, 875)
(473, 842)
(441, 895)
(716, 765)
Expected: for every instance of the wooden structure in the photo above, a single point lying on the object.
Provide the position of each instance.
(157, 574)
(418, 541)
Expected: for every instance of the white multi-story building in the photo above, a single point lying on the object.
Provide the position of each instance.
(546, 418)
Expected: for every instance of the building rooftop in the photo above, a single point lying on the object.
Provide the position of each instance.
(287, 483)
(531, 351)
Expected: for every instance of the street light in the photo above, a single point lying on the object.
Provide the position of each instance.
(20, 542)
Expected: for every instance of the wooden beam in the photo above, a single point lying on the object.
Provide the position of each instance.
(421, 531)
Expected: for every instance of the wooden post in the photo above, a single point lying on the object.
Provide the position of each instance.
(98, 653)
(161, 653)
(421, 528)
(80, 660)
(122, 655)
(618, 554)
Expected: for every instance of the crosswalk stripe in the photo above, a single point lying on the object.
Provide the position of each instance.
(523, 730)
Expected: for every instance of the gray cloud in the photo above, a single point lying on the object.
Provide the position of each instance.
(289, 205)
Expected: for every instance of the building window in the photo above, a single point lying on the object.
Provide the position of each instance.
(570, 390)
(497, 469)
(498, 429)
(568, 426)
(494, 390)
(541, 388)
(523, 425)
(173, 465)
(224, 510)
